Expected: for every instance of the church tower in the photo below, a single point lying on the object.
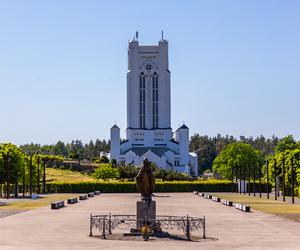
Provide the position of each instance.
(148, 86)
(149, 133)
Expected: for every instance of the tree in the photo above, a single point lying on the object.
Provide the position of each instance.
(11, 164)
(106, 171)
(60, 149)
(208, 148)
(204, 147)
(284, 161)
(127, 172)
(237, 160)
(104, 159)
(286, 143)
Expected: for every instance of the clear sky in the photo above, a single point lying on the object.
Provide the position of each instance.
(235, 66)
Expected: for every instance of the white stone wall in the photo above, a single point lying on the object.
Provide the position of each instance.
(149, 138)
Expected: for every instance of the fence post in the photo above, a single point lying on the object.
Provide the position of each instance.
(91, 225)
(103, 229)
(109, 223)
(204, 233)
(188, 234)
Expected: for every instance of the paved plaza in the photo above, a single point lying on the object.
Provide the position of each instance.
(68, 228)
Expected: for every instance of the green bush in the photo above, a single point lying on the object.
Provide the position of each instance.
(106, 171)
(128, 172)
(130, 187)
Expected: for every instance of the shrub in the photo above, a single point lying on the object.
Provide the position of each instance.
(128, 172)
(130, 187)
(105, 171)
(104, 159)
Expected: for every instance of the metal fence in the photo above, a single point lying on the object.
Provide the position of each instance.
(107, 223)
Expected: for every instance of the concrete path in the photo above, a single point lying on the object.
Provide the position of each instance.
(68, 228)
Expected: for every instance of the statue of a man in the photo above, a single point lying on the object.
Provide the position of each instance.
(145, 181)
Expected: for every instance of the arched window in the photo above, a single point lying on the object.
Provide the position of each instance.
(155, 100)
(142, 100)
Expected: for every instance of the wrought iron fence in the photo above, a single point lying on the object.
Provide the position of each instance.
(107, 223)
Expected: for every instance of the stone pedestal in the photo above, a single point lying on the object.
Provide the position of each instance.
(145, 212)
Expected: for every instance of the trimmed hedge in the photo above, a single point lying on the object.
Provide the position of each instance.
(130, 187)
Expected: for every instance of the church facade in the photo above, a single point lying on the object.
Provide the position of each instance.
(149, 133)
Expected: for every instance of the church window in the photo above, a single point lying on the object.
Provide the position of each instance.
(155, 100)
(142, 100)
(148, 67)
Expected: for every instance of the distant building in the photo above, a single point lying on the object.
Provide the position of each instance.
(105, 154)
(149, 133)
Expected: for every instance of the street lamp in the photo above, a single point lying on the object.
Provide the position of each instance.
(275, 177)
(293, 180)
(254, 176)
(267, 166)
(283, 177)
(38, 175)
(259, 179)
(44, 177)
(30, 153)
(232, 178)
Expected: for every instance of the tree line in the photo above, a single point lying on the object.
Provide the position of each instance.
(208, 148)
(280, 167)
(74, 150)
(24, 171)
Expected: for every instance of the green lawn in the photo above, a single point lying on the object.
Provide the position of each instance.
(29, 204)
(283, 209)
(66, 175)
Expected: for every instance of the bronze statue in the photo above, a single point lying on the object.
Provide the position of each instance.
(145, 181)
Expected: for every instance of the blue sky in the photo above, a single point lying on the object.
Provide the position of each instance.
(235, 66)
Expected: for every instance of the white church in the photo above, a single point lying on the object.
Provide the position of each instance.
(149, 133)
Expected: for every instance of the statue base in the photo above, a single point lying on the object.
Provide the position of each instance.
(145, 213)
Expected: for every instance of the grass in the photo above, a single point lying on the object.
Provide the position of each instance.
(66, 175)
(271, 206)
(32, 204)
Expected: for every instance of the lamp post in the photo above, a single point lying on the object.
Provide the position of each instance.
(259, 180)
(44, 177)
(38, 175)
(275, 178)
(244, 179)
(254, 176)
(249, 176)
(267, 165)
(7, 165)
(232, 179)
(236, 178)
(240, 180)
(23, 184)
(30, 174)
(293, 180)
(283, 177)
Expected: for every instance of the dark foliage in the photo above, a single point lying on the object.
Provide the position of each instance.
(208, 148)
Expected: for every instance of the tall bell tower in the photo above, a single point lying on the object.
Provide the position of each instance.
(148, 86)
(149, 133)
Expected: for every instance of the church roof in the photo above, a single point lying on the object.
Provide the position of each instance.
(183, 127)
(115, 126)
